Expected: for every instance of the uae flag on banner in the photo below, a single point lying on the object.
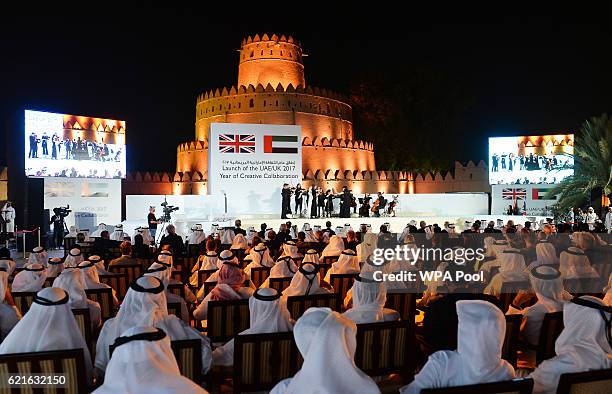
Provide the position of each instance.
(281, 144)
(538, 194)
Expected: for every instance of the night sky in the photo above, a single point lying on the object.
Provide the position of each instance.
(146, 66)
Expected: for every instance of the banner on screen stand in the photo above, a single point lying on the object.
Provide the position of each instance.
(529, 200)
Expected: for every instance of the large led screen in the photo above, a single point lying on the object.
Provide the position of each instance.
(546, 159)
(59, 145)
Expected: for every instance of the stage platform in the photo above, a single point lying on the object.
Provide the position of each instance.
(397, 224)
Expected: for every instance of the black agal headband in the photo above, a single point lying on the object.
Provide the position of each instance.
(154, 290)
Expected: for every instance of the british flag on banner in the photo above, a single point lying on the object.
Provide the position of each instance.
(236, 143)
(514, 194)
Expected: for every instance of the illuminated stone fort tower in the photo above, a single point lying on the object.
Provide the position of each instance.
(272, 90)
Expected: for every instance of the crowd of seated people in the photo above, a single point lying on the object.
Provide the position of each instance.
(459, 325)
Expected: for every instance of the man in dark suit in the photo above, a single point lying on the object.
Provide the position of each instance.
(102, 245)
(237, 229)
(173, 240)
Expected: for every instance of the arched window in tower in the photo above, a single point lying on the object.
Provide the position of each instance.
(229, 106)
(239, 105)
(327, 108)
(277, 103)
(281, 53)
(264, 103)
(251, 103)
(252, 53)
(270, 51)
(262, 53)
(291, 54)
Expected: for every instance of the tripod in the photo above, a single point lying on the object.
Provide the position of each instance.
(160, 232)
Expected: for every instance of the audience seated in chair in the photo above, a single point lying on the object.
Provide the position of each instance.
(125, 258)
(368, 299)
(48, 325)
(143, 361)
(584, 344)
(145, 304)
(268, 313)
(327, 341)
(305, 281)
(480, 337)
(71, 281)
(31, 278)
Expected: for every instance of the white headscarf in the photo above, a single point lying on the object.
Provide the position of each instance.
(260, 257)
(145, 304)
(480, 336)
(9, 264)
(511, 269)
(31, 278)
(227, 236)
(99, 263)
(165, 257)
(312, 256)
(145, 366)
(250, 235)
(366, 248)
(48, 325)
(335, 246)
(268, 313)
(290, 249)
(582, 346)
(38, 255)
(118, 234)
(197, 235)
(89, 274)
(305, 281)
(488, 245)
(327, 342)
(74, 258)
(499, 246)
(239, 242)
(575, 264)
(71, 282)
(547, 284)
(347, 263)
(283, 268)
(369, 299)
(310, 236)
(55, 267)
(98, 232)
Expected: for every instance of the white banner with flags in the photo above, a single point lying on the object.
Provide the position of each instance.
(248, 163)
(529, 200)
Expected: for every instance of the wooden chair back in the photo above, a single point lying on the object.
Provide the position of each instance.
(177, 289)
(133, 271)
(259, 275)
(297, 305)
(552, 325)
(280, 284)
(386, 348)
(118, 281)
(23, 300)
(226, 319)
(203, 275)
(510, 346)
(591, 382)
(104, 297)
(174, 308)
(262, 360)
(69, 362)
(516, 386)
(403, 303)
(341, 283)
(83, 320)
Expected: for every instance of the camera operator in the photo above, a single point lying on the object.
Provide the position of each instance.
(152, 221)
(58, 225)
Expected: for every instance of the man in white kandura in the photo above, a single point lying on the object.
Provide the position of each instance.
(118, 234)
(268, 313)
(48, 325)
(8, 214)
(143, 362)
(31, 278)
(327, 341)
(585, 343)
(145, 304)
(480, 337)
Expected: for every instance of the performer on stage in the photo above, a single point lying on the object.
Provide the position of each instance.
(286, 201)
(321, 202)
(378, 204)
(346, 199)
(299, 198)
(314, 204)
(8, 216)
(364, 210)
(152, 221)
(329, 203)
